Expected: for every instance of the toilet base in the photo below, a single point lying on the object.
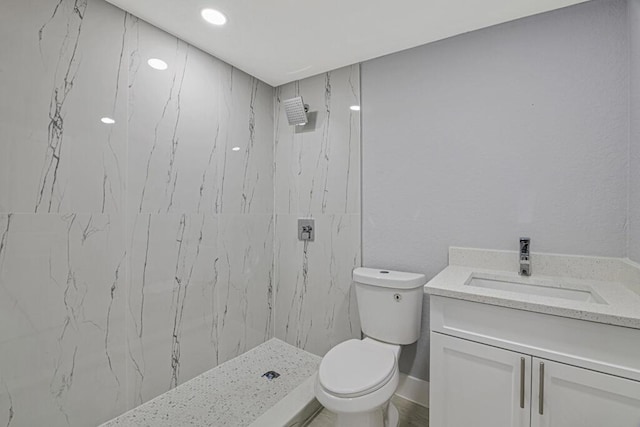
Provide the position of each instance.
(393, 416)
(375, 418)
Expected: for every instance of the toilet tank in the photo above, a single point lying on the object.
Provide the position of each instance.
(390, 304)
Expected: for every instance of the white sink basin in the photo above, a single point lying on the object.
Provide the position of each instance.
(526, 286)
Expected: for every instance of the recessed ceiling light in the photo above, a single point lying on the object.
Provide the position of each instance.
(236, 148)
(355, 108)
(157, 64)
(107, 120)
(213, 16)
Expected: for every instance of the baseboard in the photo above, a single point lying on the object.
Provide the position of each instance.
(414, 389)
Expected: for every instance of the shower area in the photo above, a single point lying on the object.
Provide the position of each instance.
(148, 218)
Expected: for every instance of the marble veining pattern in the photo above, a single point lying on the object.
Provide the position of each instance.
(65, 72)
(232, 394)
(317, 174)
(172, 102)
(133, 256)
(63, 317)
(45, 174)
(316, 306)
(183, 160)
(214, 299)
(318, 167)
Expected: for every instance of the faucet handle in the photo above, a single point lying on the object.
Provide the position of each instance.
(525, 262)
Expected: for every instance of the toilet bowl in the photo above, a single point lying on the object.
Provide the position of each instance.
(356, 381)
(357, 378)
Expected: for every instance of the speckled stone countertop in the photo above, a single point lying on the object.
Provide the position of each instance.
(231, 394)
(621, 305)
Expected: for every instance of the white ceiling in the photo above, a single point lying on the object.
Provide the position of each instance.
(280, 41)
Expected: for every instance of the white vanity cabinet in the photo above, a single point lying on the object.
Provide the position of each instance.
(477, 385)
(500, 367)
(573, 396)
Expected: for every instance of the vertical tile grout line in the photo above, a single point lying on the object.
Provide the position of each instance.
(274, 287)
(627, 248)
(361, 162)
(361, 183)
(125, 212)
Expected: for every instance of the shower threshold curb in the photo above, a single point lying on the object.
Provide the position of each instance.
(269, 385)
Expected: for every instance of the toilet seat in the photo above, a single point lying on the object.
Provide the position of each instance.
(355, 368)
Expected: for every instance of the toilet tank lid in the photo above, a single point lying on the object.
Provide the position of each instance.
(388, 278)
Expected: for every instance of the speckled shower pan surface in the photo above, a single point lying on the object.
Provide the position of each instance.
(236, 393)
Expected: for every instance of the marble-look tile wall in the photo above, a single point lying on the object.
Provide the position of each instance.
(133, 256)
(317, 175)
(633, 233)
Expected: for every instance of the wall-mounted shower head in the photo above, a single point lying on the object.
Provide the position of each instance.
(296, 111)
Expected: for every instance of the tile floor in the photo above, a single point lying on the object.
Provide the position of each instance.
(411, 415)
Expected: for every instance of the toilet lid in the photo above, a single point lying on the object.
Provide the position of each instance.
(355, 367)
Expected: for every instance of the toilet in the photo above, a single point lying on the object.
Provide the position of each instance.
(357, 378)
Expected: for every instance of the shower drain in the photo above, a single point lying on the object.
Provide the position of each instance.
(271, 375)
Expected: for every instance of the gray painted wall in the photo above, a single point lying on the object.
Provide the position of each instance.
(634, 136)
(518, 129)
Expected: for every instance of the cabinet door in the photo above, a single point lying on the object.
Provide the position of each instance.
(477, 385)
(577, 397)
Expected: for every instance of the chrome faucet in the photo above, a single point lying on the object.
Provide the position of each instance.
(525, 262)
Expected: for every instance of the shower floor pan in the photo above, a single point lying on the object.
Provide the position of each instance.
(235, 393)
